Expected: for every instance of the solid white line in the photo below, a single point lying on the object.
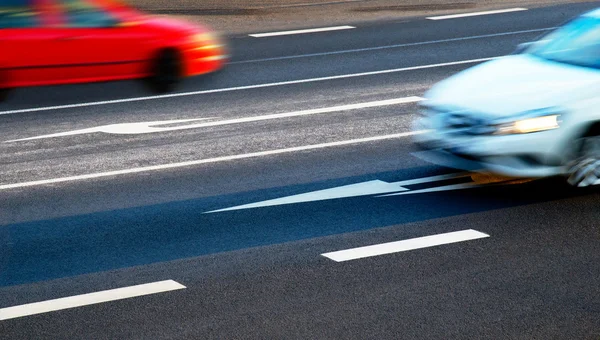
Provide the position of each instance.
(248, 87)
(405, 245)
(134, 128)
(88, 299)
(206, 161)
(309, 4)
(454, 16)
(376, 48)
(304, 31)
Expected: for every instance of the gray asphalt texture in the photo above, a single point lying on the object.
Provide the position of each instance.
(258, 273)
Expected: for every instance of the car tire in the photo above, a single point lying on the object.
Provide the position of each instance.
(584, 170)
(4, 94)
(167, 70)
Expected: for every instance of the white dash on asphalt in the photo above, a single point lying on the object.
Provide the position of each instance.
(88, 299)
(247, 87)
(462, 15)
(405, 245)
(207, 161)
(303, 31)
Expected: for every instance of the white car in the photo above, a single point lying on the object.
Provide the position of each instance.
(535, 113)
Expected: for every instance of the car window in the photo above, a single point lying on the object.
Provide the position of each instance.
(576, 43)
(17, 14)
(81, 14)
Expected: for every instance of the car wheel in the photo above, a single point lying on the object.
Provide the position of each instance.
(585, 169)
(166, 71)
(4, 94)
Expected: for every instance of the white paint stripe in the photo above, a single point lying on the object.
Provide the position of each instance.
(88, 299)
(206, 161)
(304, 31)
(248, 87)
(462, 15)
(376, 48)
(405, 245)
(309, 4)
(136, 128)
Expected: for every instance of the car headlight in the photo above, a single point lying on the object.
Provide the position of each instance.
(207, 42)
(535, 121)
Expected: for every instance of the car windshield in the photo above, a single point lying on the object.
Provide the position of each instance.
(17, 14)
(577, 43)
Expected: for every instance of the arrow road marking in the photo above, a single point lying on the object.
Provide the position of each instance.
(380, 188)
(152, 127)
(374, 187)
(124, 129)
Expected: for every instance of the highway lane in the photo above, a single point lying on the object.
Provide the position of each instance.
(316, 94)
(258, 272)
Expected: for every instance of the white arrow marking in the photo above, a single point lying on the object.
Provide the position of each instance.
(353, 190)
(124, 129)
(151, 127)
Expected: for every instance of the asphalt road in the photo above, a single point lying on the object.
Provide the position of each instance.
(124, 205)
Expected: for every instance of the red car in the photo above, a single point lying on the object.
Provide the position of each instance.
(49, 42)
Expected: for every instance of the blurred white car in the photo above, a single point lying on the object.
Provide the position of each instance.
(535, 113)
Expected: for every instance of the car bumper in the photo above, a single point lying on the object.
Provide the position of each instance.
(206, 59)
(514, 156)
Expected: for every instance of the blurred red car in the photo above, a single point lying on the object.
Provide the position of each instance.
(49, 42)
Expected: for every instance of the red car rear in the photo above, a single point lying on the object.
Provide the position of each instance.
(48, 42)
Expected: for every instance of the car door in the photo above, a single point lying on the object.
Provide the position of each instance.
(97, 45)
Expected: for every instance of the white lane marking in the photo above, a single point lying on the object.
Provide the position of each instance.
(248, 87)
(149, 127)
(207, 161)
(352, 190)
(309, 4)
(462, 15)
(303, 31)
(376, 48)
(88, 299)
(405, 245)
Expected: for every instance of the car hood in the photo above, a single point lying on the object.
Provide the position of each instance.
(515, 84)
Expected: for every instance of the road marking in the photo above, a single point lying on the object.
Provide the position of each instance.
(122, 129)
(368, 188)
(151, 127)
(450, 187)
(303, 31)
(310, 4)
(405, 245)
(248, 87)
(462, 15)
(207, 161)
(376, 48)
(380, 189)
(88, 299)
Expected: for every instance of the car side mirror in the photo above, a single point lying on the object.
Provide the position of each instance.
(523, 47)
